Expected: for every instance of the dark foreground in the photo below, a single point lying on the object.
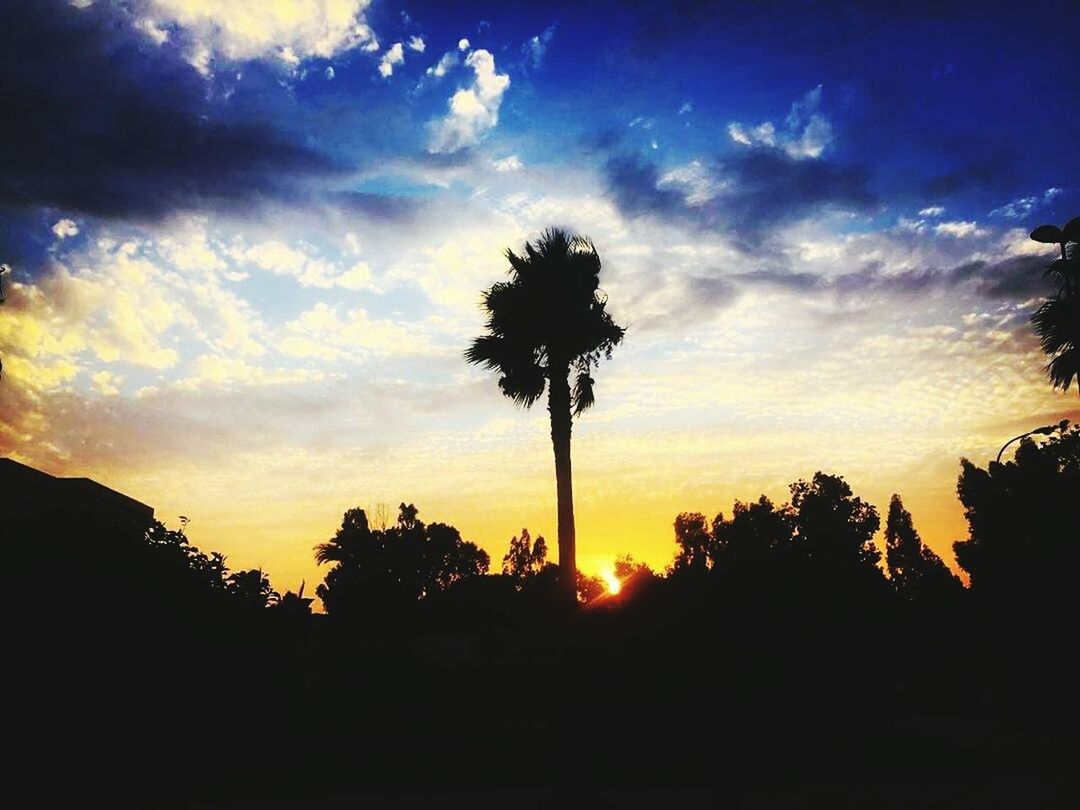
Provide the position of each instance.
(767, 691)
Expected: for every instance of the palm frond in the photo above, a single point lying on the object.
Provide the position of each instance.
(583, 396)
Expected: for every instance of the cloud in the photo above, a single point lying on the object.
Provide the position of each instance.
(463, 44)
(438, 70)
(286, 31)
(394, 55)
(697, 184)
(129, 131)
(323, 333)
(1023, 207)
(417, 44)
(747, 195)
(535, 48)
(806, 132)
(686, 108)
(994, 174)
(65, 228)
(932, 211)
(281, 259)
(957, 229)
(473, 110)
(508, 164)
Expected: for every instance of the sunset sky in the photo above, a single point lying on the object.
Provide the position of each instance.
(248, 242)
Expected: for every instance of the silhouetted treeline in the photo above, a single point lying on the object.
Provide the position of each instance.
(780, 660)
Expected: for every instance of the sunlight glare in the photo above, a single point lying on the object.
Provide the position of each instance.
(614, 585)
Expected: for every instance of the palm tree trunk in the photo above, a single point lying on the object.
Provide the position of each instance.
(559, 408)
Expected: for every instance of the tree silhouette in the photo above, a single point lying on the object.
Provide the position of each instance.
(696, 548)
(588, 587)
(915, 571)
(1022, 519)
(395, 566)
(525, 559)
(626, 567)
(252, 588)
(1057, 321)
(548, 320)
(831, 524)
(755, 532)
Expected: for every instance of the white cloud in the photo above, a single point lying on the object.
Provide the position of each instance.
(932, 211)
(153, 30)
(463, 44)
(806, 132)
(417, 44)
(288, 31)
(957, 229)
(281, 259)
(394, 55)
(473, 110)
(1023, 207)
(439, 69)
(508, 164)
(697, 183)
(105, 382)
(686, 107)
(322, 333)
(65, 228)
(329, 72)
(356, 278)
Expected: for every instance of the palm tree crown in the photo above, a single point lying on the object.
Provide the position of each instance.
(1057, 321)
(547, 320)
(550, 314)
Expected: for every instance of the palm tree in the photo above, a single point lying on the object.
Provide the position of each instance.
(1057, 321)
(548, 320)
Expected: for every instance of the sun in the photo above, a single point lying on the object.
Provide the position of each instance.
(614, 585)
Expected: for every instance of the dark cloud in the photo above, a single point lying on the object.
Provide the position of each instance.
(1015, 278)
(99, 120)
(994, 174)
(764, 189)
(375, 206)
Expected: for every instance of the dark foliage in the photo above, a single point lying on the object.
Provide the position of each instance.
(916, 572)
(377, 569)
(525, 558)
(1057, 321)
(1022, 520)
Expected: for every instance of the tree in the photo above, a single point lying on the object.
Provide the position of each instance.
(696, 547)
(831, 525)
(525, 559)
(915, 571)
(1057, 321)
(548, 320)
(588, 587)
(1022, 520)
(626, 567)
(755, 532)
(252, 588)
(395, 566)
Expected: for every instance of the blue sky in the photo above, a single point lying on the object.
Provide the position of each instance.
(248, 240)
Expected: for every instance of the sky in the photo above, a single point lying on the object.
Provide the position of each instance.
(248, 241)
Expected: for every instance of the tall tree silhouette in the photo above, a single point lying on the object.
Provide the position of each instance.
(915, 571)
(1057, 321)
(548, 320)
